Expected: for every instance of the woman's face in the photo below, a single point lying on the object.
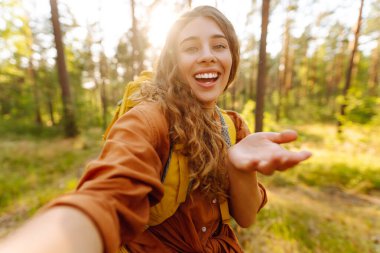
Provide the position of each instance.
(204, 59)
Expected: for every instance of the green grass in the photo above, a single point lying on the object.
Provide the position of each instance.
(350, 162)
(299, 219)
(35, 169)
(329, 203)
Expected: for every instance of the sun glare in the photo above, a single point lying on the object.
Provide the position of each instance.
(160, 22)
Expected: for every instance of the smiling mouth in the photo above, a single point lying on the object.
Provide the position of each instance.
(207, 77)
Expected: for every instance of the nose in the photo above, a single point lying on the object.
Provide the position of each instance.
(206, 55)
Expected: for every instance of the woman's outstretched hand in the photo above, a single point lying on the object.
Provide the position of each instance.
(262, 152)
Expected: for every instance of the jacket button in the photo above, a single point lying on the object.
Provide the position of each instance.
(214, 201)
(204, 229)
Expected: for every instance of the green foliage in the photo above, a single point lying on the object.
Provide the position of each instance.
(323, 205)
(361, 109)
(35, 169)
(248, 115)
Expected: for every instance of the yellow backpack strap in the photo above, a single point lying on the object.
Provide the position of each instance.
(225, 212)
(229, 134)
(123, 249)
(130, 98)
(175, 178)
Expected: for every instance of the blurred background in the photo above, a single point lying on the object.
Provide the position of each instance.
(64, 65)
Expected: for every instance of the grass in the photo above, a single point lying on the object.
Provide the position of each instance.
(36, 169)
(328, 204)
(302, 219)
(349, 162)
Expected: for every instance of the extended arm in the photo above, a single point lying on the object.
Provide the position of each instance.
(59, 229)
(111, 203)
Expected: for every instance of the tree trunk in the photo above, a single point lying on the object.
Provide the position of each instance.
(136, 66)
(36, 92)
(283, 68)
(261, 74)
(233, 97)
(32, 74)
(374, 70)
(350, 67)
(69, 122)
(103, 67)
(51, 110)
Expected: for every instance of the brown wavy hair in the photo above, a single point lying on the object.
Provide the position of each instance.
(190, 125)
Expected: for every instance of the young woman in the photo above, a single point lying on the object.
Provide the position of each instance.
(111, 207)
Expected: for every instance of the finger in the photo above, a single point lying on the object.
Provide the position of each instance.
(282, 137)
(294, 158)
(287, 161)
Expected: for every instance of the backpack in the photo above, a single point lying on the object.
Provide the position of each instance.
(175, 176)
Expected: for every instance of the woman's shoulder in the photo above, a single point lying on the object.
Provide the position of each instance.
(146, 119)
(151, 113)
(242, 129)
(235, 116)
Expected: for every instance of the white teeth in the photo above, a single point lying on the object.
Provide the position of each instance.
(206, 75)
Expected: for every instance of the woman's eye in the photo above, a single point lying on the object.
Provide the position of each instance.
(191, 49)
(220, 46)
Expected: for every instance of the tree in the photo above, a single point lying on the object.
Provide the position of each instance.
(350, 67)
(372, 29)
(261, 74)
(286, 62)
(29, 37)
(69, 121)
(138, 41)
(103, 70)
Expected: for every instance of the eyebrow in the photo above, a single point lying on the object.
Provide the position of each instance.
(215, 36)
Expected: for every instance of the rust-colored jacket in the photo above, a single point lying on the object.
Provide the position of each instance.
(119, 187)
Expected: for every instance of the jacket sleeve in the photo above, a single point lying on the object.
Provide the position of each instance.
(118, 187)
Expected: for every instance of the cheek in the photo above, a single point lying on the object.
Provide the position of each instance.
(228, 64)
(227, 60)
(184, 66)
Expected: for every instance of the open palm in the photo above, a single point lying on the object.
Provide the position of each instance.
(262, 152)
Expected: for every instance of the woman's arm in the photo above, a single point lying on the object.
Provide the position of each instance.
(245, 196)
(257, 152)
(59, 229)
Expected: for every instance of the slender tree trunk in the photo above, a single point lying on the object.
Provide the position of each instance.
(350, 67)
(136, 64)
(374, 70)
(32, 74)
(103, 94)
(36, 92)
(69, 122)
(51, 111)
(279, 99)
(283, 69)
(261, 74)
(233, 97)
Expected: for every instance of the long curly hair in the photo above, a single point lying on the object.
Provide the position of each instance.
(198, 133)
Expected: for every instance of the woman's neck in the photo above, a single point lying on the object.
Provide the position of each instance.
(209, 109)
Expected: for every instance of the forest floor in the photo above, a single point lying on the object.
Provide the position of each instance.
(329, 204)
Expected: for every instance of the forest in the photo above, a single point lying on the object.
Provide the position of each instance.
(306, 65)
